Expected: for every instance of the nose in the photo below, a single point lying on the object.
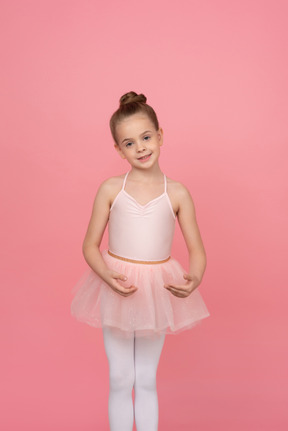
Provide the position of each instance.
(140, 146)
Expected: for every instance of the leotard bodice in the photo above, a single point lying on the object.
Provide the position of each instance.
(141, 232)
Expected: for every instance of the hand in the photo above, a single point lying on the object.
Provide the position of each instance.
(114, 279)
(182, 291)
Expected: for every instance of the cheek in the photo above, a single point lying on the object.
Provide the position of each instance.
(122, 155)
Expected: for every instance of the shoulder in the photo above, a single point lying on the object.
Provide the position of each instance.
(175, 188)
(110, 187)
(112, 182)
(178, 194)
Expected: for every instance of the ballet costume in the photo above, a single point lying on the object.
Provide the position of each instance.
(134, 327)
(140, 240)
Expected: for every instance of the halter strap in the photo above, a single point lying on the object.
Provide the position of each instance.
(124, 182)
(165, 184)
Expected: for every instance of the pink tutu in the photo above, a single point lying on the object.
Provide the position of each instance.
(152, 309)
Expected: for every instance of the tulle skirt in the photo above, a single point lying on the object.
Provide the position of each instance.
(152, 309)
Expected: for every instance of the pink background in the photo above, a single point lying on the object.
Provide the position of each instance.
(216, 74)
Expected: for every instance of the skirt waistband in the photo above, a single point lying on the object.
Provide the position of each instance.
(145, 262)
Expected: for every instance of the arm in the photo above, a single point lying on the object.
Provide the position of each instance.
(197, 256)
(93, 238)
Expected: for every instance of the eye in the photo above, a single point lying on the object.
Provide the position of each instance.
(146, 138)
(128, 144)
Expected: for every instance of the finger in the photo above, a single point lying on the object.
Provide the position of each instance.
(125, 294)
(121, 277)
(125, 291)
(180, 288)
(122, 280)
(177, 293)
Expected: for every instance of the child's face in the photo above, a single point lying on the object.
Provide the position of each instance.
(138, 141)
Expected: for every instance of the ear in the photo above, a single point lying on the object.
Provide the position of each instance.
(160, 136)
(119, 151)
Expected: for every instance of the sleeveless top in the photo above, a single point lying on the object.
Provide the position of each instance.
(141, 232)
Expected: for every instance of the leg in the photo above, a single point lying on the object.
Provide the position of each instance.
(147, 355)
(120, 354)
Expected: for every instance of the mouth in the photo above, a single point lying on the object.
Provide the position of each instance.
(144, 158)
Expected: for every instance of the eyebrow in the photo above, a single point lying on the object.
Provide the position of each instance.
(130, 139)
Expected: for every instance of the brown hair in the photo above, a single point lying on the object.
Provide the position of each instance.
(132, 103)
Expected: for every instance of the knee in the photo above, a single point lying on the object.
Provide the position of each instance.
(121, 379)
(145, 379)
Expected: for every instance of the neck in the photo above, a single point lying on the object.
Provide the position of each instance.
(146, 174)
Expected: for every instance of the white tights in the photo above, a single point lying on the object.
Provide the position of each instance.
(132, 363)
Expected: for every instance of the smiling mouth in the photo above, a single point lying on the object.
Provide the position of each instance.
(144, 157)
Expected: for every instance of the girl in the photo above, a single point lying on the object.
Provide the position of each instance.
(135, 291)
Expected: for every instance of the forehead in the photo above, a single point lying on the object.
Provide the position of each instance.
(133, 126)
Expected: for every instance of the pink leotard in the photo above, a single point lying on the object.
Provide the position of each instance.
(141, 232)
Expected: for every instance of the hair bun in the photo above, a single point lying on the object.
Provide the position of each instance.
(132, 97)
